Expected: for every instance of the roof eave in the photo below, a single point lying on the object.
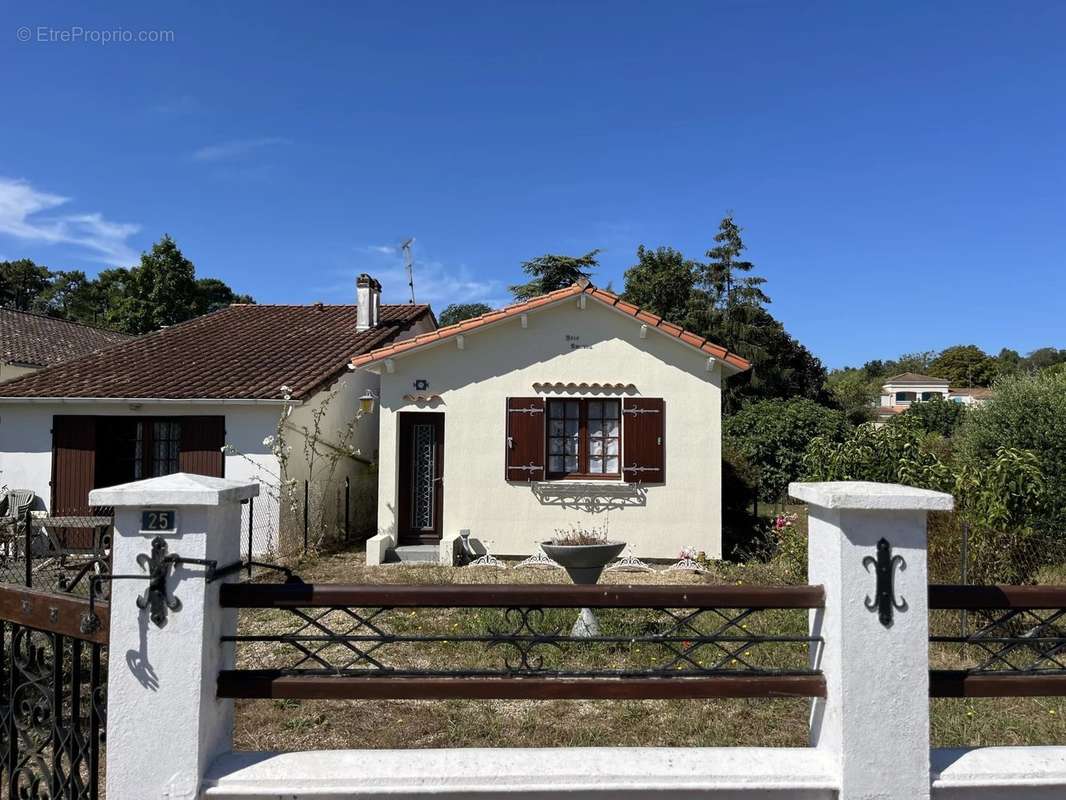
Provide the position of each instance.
(729, 368)
(223, 401)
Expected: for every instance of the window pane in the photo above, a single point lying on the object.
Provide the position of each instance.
(612, 447)
(571, 446)
(612, 427)
(572, 427)
(595, 427)
(573, 409)
(556, 427)
(610, 464)
(555, 410)
(571, 463)
(611, 409)
(596, 447)
(555, 464)
(595, 464)
(555, 446)
(595, 409)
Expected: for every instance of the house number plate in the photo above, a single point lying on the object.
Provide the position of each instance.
(159, 520)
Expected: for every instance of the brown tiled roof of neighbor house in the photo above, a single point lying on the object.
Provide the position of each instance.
(914, 377)
(582, 287)
(37, 340)
(245, 352)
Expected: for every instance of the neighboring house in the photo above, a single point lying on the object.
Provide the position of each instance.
(900, 391)
(171, 401)
(29, 342)
(571, 409)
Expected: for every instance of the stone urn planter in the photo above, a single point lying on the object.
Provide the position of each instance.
(584, 564)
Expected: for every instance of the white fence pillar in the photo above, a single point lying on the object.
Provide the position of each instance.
(874, 721)
(165, 724)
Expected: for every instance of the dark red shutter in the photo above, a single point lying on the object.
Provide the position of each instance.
(73, 464)
(202, 439)
(644, 440)
(525, 443)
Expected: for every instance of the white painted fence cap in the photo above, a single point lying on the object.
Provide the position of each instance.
(179, 489)
(868, 496)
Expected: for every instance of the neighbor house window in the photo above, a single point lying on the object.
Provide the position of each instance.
(930, 395)
(584, 439)
(166, 445)
(906, 397)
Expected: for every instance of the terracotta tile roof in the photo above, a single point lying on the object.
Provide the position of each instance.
(977, 392)
(582, 287)
(240, 352)
(37, 340)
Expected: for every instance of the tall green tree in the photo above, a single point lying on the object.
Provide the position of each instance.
(162, 290)
(457, 312)
(965, 365)
(21, 282)
(551, 272)
(663, 282)
(213, 294)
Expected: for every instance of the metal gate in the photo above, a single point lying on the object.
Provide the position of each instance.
(52, 696)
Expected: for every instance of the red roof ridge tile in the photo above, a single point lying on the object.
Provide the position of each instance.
(581, 287)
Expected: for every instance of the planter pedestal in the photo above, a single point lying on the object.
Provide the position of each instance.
(584, 564)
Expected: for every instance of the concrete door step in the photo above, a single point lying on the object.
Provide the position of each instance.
(414, 554)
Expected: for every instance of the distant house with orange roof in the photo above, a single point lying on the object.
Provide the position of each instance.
(571, 409)
(900, 392)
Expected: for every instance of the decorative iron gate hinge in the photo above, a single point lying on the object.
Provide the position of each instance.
(885, 568)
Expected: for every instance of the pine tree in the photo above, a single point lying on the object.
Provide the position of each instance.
(552, 272)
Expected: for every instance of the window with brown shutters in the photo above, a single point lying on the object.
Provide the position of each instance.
(643, 431)
(202, 439)
(73, 464)
(524, 457)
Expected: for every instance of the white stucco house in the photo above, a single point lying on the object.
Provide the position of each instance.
(574, 408)
(899, 392)
(205, 397)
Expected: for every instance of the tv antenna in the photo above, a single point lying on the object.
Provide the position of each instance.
(408, 265)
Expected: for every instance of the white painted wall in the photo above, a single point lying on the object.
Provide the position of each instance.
(505, 361)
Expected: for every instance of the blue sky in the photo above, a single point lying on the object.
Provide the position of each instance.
(898, 168)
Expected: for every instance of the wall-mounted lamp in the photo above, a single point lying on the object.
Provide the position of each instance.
(367, 401)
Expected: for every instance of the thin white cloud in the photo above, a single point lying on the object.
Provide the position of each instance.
(236, 148)
(24, 214)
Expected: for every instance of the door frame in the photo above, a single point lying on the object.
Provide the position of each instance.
(406, 534)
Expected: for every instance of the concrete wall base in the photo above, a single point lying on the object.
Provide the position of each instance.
(730, 773)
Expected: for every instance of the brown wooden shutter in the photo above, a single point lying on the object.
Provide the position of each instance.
(644, 440)
(524, 457)
(202, 439)
(73, 464)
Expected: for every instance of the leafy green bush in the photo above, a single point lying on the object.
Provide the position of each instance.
(998, 497)
(1026, 412)
(773, 436)
(935, 416)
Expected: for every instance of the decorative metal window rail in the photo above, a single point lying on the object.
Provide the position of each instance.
(493, 641)
(997, 641)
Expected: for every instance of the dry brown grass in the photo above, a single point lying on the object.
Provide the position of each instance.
(302, 725)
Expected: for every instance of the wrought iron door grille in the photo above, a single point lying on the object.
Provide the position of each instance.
(52, 714)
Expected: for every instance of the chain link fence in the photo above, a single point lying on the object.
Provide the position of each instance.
(55, 553)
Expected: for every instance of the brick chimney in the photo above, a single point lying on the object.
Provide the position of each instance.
(368, 302)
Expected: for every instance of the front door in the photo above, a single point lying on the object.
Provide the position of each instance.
(421, 478)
